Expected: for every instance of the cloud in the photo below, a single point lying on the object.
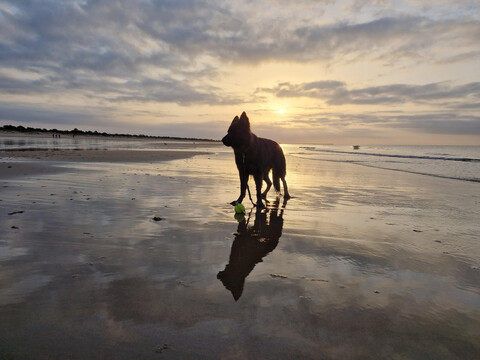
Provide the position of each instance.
(113, 36)
(138, 89)
(76, 44)
(100, 46)
(30, 114)
(438, 123)
(167, 90)
(338, 93)
(426, 122)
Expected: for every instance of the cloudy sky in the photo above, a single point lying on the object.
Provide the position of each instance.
(306, 71)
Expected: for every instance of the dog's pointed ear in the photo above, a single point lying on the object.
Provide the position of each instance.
(234, 121)
(244, 119)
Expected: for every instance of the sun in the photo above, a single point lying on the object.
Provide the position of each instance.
(280, 111)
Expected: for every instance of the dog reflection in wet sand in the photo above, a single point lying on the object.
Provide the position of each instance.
(251, 245)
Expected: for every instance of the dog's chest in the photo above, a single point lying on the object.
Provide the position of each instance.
(249, 163)
(250, 168)
(252, 164)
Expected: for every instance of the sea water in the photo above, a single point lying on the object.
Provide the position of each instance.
(454, 162)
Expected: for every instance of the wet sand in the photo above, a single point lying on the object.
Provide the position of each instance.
(146, 260)
(99, 155)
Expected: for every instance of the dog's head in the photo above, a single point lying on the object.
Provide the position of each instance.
(239, 133)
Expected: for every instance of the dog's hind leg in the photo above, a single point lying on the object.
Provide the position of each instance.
(286, 194)
(279, 174)
(266, 178)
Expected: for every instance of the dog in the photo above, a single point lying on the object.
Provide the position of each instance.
(255, 156)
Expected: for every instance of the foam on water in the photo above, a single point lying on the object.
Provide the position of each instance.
(454, 162)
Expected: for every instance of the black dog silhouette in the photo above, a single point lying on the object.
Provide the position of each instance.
(256, 156)
(251, 245)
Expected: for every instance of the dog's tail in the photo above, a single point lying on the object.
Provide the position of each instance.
(279, 168)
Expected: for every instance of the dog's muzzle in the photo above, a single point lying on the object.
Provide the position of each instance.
(226, 141)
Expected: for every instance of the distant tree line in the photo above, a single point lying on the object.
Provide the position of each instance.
(75, 132)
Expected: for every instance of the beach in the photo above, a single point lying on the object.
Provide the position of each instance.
(118, 250)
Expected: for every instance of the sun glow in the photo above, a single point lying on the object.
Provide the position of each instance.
(280, 111)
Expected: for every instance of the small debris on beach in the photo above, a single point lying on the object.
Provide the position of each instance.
(415, 230)
(157, 218)
(160, 349)
(278, 276)
(14, 227)
(313, 279)
(16, 212)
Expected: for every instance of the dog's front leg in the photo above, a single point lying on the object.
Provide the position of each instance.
(258, 185)
(243, 187)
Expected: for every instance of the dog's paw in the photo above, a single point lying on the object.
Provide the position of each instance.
(260, 205)
(234, 202)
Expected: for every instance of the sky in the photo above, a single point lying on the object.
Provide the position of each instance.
(305, 71)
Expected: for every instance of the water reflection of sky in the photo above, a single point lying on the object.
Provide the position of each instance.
(384, 266)
(98, 143)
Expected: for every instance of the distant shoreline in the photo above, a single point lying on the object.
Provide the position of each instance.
(159, 148)
(21, 131)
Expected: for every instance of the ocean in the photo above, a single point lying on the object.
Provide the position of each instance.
(452, 162)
